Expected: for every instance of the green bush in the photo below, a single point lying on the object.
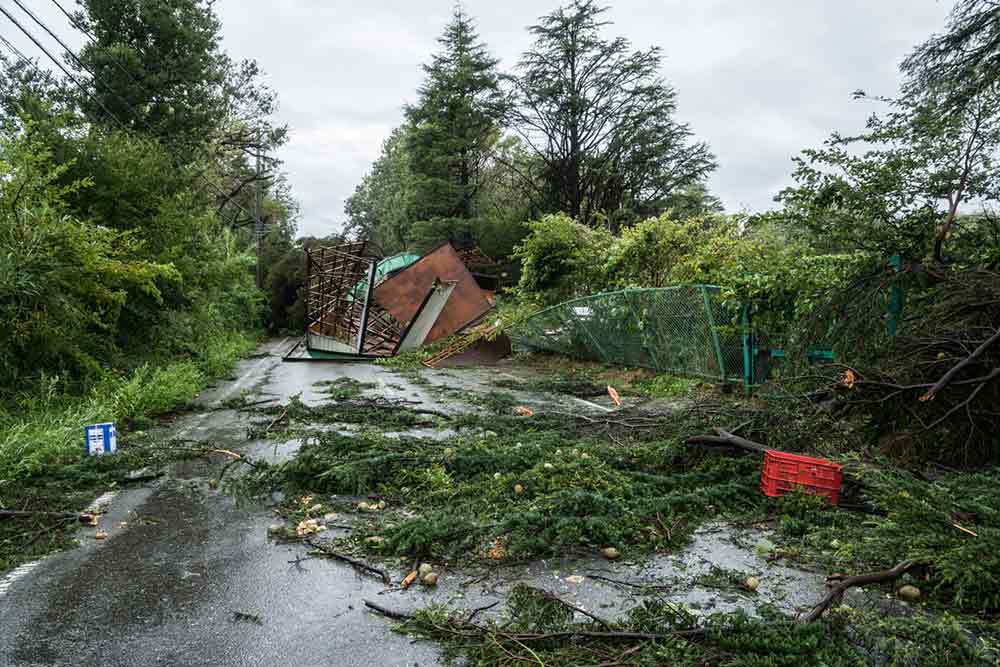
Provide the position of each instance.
(561, 259)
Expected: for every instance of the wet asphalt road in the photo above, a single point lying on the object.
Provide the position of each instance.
(182, 559)
(163, 588)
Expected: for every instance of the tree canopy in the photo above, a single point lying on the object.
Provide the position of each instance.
(600, 119)
(454, 123)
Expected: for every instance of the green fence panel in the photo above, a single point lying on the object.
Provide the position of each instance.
(686, 329)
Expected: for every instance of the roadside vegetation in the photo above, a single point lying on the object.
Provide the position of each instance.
(126, 260)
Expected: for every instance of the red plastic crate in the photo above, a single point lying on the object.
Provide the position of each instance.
(785, 472)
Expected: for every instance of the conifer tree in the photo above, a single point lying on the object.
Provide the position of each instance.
(454, 123)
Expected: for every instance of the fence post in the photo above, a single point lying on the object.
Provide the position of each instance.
(748, 356)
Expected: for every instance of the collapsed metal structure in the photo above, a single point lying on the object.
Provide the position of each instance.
(362, 305)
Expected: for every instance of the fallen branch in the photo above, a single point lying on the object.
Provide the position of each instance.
(726, 439)
(586, 613)
(82, 517)
(632, 584)
(364, 568)
(389, 613)
(466, 629)
(284, 413)
(956, 369)
(845, 583)
(478, 610)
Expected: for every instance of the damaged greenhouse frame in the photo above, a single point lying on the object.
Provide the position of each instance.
(361, 305)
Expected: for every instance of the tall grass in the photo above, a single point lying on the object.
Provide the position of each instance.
(45, 429)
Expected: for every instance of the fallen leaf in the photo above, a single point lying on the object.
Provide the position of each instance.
(498, 551)
(848, 379)
(524, 411)
(615, 398)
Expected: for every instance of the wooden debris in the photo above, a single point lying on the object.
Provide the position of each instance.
(844, 583)
(363, 568)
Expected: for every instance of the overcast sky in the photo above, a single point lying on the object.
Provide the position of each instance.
(758, 81)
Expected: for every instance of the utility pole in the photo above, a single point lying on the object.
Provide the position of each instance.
(258, 206)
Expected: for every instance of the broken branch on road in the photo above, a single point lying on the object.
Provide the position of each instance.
(361, 567)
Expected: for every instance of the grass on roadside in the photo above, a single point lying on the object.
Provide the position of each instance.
(45, 430)
(42, 461)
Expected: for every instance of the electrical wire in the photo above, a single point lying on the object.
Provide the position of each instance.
(93, 40)
(55, 60)
(73, 21)
(97, 79)
(13, 49)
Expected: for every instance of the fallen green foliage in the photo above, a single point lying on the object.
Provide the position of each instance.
(525, 487)
(344, 388)
(586, 379)
(539, 629)
(950, 527)
(377, 412)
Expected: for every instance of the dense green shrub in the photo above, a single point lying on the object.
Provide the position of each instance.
(561, 259)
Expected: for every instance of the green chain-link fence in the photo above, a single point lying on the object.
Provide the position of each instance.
(686, 330)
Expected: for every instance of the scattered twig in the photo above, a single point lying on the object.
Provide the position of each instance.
(467, 629)
(845, 583)
(388, 613)
(965, 530)
(632, 584)
(364, 568)
(593, 617)
(284, 413)
(82, 517)
(249, 618)
(477, 610)
(950, 375)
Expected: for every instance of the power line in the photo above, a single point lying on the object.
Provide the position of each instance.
(73, 21)
(93, 40)
(15, 50)
(71, 54)
(97, 79)
(55, 60)
(54, 36)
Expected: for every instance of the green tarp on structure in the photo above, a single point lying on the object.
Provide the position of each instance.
(384, 268)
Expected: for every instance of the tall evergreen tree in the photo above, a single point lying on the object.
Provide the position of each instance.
(454, 123)
(160, 65)
(601, 119)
